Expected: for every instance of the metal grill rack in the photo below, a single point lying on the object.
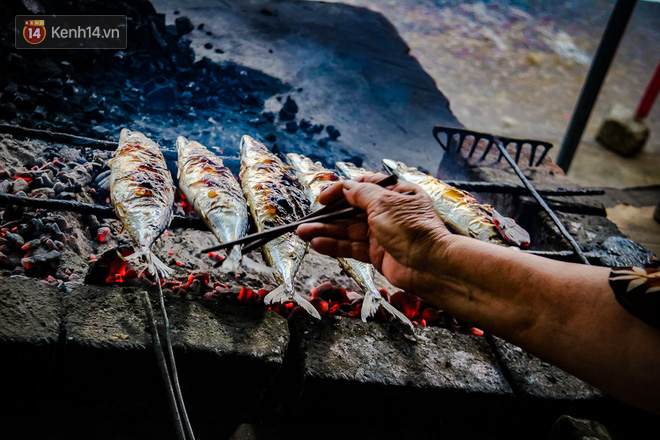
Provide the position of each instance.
(453, 143)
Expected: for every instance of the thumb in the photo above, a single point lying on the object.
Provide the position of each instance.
(362, 194)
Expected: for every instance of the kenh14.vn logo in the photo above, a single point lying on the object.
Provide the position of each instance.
(34, 31)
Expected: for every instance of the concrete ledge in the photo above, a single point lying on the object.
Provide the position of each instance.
(447, 375)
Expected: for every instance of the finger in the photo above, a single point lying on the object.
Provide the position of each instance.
(363, 194)
(358, 250)
(352, 230)
(331, 193)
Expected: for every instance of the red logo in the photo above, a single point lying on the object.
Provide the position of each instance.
(34, 31)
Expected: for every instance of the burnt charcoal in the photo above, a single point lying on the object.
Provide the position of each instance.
(22, 100)
(40, 112)
(269, 116)
(270, 137)
(162, 97)
(219, 51)
(323, 142)
(333, 133)
(7, 110)
(183, 25)
(291, 127)
(55, 231)
(209, 33)
(49, 69)
(305, 126)
(289, 110)
(15, 241)
(34, 227)
(200, 26)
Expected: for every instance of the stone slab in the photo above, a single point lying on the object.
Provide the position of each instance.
(226, 356)
(371, 362)
(30, 314)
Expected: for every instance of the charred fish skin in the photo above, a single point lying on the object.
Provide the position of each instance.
(142, 194)
(458, 208)
(315, 178)
(214, 193)
(275, 197)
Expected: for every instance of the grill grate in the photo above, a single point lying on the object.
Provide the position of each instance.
(455, 138)
(452, 140)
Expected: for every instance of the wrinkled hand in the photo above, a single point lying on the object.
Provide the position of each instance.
(399, 235)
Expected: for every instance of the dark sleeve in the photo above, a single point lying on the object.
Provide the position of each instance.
(638, 291)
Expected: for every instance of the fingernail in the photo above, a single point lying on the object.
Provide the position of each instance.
(348, 184)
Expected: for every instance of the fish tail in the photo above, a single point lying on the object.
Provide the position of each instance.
(155, 265)
(233, 261)
(396, 313)
(282, 294)
(370, 305)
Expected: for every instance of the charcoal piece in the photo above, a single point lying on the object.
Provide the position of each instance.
(8, 110)
(289, 110)
(200, 26)
(269, 116)
(291, 127)
(162, 97)
(333, 133)
(208, 46)
(55, 231)
(270, 137)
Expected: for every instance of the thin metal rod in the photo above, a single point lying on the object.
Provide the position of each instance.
(170, 355)
(53, 136)
(609, 42)
(546, 208)
(508, 188)
(162, 366)
(87, 208)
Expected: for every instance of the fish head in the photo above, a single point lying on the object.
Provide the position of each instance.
(391, 166)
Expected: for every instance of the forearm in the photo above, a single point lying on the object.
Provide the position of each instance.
(564, 313)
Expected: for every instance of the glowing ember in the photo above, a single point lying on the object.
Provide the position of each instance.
(102, 234)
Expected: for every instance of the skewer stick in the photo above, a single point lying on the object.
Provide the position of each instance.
(88, 208)
(170, 355)
(162, 366)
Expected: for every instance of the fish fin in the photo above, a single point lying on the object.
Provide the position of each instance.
(105, 183)
(255, 266)
(155, 264)
(396, 313)
(370, 305)
(305, 304)
(281, 295)
(233, 261)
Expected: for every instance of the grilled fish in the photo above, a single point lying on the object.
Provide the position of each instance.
(315, 178)
(460, 210)
(275, 198)
(214, 194)
(142, 194)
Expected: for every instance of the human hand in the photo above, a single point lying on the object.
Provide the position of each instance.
(402, 236)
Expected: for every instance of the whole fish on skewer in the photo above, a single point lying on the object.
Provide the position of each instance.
(142, 194)
(275, 198)
(214, 193)
(460, 210)
(315, 178)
